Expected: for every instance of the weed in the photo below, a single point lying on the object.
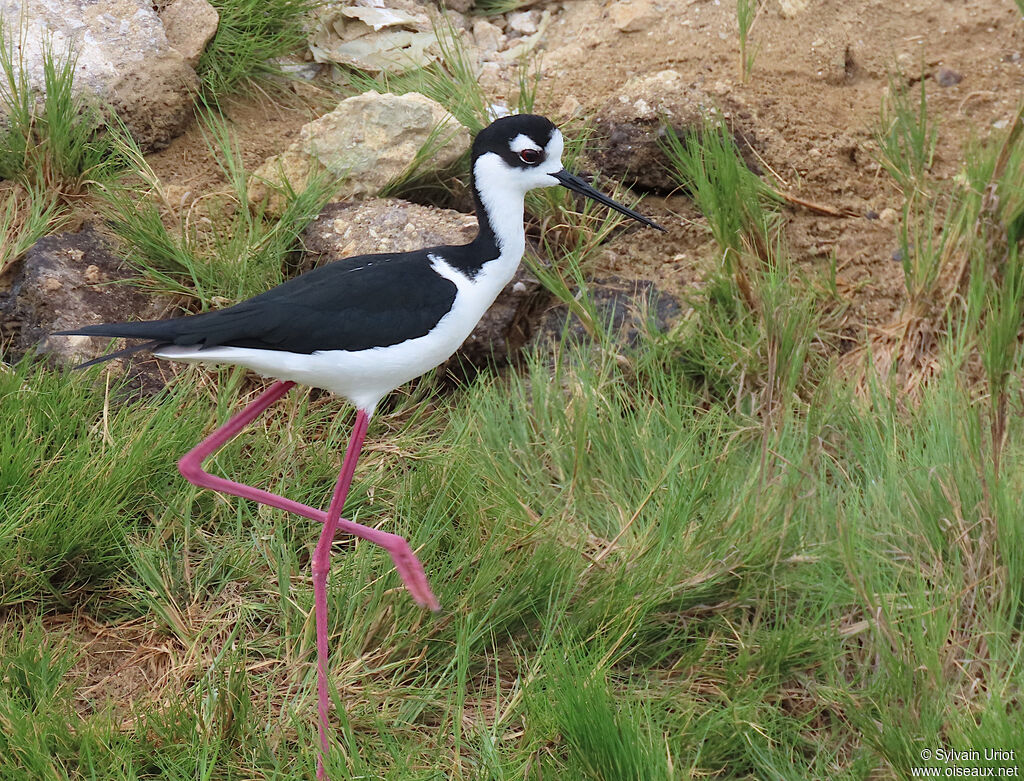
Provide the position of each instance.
(746, 15)
(250, 35)
(906, 135)
(224, 251)
(56, 144)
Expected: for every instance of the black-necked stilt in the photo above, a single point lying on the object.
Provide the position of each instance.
(363, 326)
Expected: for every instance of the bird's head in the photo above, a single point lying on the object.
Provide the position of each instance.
(523, 152)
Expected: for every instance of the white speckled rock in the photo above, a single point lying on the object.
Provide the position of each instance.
(123, 59)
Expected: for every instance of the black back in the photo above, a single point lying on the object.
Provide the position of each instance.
(351, 304)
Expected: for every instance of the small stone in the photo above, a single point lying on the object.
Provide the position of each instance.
(791, 8)
(634, 16)
(888, 216)
(947, 77)
(523, 22)
(897, 256)
(489, 37)
(872, 215)
(570, 108)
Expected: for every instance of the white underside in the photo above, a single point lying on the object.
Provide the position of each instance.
(364, 377)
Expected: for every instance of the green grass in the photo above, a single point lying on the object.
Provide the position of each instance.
(223, 250)
(711, 555)
(637, 583)
(746, 15)
(250, 35)
(57, 143)
(906, 134)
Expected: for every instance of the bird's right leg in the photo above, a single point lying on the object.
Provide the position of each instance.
(191, 468)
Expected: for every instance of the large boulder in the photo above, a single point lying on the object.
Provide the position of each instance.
(123, 59)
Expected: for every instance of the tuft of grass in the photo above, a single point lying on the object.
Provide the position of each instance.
(746, 15)
(250, 35)
(57, 143)
(223, 250)
(25, 217)
(756, 329)
(906, 134)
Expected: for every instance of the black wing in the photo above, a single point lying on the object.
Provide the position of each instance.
(351, 304)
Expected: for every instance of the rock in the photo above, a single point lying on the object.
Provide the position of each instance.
(124, 60)
(632, 307)
(523, 22)
(393, 225)
(365, 143)
(489, 37)
(791, 8)
(189, 25)
(395, 39)
(947, 77)
(632, 123)
(461, 6)
(632, 16)
(64, 281)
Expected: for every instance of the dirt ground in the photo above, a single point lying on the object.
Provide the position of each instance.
(811, 103)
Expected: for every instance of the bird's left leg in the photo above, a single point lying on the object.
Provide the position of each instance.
(191, 468)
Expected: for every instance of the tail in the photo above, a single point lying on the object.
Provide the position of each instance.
(157, 333)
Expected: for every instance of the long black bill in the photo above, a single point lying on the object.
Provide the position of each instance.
(577, 185)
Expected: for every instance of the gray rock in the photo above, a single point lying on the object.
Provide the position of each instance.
(65, 280)
(947, 77)
(190, 25)
(365, 143)
(392, 225)
(123, 59)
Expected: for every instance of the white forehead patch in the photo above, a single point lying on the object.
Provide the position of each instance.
(521, 142)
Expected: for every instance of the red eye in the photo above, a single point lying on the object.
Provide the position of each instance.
(530, 156)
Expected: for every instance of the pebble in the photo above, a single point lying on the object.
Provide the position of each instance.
(888, 216)
(947, 77)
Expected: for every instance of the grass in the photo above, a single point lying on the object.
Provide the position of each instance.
(223, 250)
(53, 144)
(635, 585)
(251, 35)
(746, 15)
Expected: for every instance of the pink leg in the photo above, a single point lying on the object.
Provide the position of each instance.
(191, 468)
(321, 565)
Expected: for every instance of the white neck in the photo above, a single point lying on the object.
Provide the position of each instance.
(502, 202)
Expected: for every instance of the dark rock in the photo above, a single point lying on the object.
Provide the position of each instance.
(631, 127)
(631, 307)
(947, 77)
(64, 281)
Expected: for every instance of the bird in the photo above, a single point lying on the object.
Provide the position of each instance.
(363, 326)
